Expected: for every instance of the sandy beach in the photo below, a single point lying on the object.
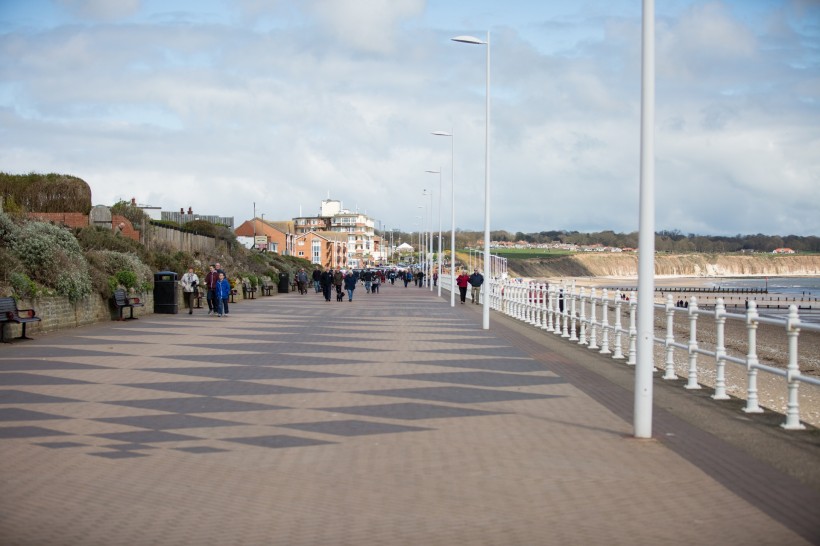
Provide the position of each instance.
(772, 346)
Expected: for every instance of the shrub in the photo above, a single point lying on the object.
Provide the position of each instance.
(113, 269)
(127, 279)
(100, 238)
(8, 230)
(22, 285)
(52, 256)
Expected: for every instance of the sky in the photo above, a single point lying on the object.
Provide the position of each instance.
(231, 107)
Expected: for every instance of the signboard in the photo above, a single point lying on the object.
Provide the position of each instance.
(261, 241)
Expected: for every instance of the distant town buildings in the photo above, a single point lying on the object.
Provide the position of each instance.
(335, 237)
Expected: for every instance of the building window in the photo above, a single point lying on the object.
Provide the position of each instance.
(301, 253)
(316, 251)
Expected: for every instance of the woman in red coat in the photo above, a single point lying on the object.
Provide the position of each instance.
(463, 281)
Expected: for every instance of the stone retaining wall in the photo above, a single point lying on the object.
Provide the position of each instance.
(57, 313)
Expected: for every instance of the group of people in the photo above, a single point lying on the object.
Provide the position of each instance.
(345, 282)
(217, 286)
(463, 281)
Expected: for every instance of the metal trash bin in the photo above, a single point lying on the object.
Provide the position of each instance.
(284, 283)
(165, 293)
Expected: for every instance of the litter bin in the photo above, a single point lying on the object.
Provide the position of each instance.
(284, 283)
(165, 293)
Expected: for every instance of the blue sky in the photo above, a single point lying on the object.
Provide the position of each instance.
(218, 105)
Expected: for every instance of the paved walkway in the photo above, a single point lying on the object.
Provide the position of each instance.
(391, 420)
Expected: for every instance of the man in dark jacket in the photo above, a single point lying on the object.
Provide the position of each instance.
(326, 280)
(476, 280)
(317, 280)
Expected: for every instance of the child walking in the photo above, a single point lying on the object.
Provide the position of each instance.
(223, 292)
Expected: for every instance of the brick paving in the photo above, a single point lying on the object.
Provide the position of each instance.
(392, 419)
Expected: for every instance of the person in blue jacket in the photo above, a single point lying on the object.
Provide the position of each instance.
(350, 285)
(223, 292)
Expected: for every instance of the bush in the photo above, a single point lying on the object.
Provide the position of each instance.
(9, 231)
(22, 285)
(53, 257)
(111, 269)
(100, 238)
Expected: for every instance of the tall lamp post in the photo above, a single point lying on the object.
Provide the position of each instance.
(438, 172)
(486, 310)
(428, 249)
(451, 134)
(646, 231)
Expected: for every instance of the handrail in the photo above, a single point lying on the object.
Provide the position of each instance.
(583, 317)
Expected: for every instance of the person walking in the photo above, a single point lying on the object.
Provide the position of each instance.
(377, 280)
(338, 282)
(317, 280)
(326, 281)
(350, 285)
(463, 281)
(210, 286)
(476, 280)
(435, 278)
(367, 277)
(189, 283)
(408, 276)
(223, 292)
(302, 280)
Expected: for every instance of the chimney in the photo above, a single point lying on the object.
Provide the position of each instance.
(190, 211)
(182, 211)
(133, 201)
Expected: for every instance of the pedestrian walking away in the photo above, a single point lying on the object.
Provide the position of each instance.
(476, 280)
(350, 285)
(190, 283)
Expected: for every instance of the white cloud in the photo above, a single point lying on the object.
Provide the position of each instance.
(101, 10)
(325, 97)
(367, 26)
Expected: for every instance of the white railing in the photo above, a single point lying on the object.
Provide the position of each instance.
(595, 318)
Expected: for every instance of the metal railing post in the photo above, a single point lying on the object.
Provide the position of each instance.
(670, 339)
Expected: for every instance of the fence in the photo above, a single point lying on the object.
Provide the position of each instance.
(583, 317)
(181, 239)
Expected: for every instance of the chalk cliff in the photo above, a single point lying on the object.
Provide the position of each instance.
(685, 265)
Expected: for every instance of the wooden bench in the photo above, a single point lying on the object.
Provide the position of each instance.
(10, 313)
(122, 301)
(248, 288)
(267, 287)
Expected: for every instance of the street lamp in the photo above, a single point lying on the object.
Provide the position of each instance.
(438, 172)
(642, 421)
(452, 216)
(486, 310)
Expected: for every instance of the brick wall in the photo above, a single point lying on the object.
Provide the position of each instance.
(80, 220)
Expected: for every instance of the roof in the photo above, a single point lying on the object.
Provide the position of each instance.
(340, 236)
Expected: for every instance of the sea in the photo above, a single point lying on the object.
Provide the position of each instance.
(804, 291)
(793, 287)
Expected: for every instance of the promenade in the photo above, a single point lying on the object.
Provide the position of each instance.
(390, 420)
